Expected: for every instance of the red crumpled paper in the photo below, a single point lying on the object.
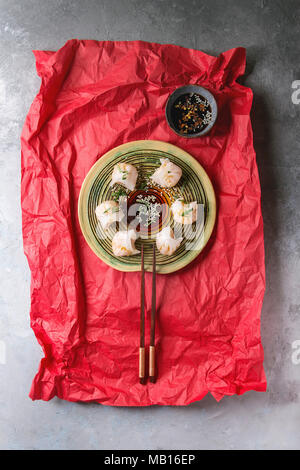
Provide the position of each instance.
(93, 97)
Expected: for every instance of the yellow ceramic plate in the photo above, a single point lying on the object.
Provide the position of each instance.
(194, 185)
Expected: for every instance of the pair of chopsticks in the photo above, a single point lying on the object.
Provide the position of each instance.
(142, 374)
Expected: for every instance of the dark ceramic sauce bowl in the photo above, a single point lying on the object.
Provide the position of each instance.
(186, 90)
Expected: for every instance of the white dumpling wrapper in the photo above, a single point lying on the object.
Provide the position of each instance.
(166, 243)
(125, 175)
(109, 212)
(123, 243)
(167, 175)
(184, 213)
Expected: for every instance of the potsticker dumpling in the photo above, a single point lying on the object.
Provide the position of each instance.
(166, 243)
(184, 213)
(123, 243)
(124, 174)
(109, 212)
(167, 175)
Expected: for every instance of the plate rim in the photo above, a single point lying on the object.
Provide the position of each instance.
(146, 145)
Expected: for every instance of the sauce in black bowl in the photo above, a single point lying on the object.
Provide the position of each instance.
(191, 111)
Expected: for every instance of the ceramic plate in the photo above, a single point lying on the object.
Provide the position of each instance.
(145, 155)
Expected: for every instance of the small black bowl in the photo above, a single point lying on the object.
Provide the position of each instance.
(190, 89)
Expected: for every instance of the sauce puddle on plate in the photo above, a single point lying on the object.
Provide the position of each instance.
(150, 210)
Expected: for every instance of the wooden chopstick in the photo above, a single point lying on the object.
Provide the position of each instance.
(142, 323)
(152, 371)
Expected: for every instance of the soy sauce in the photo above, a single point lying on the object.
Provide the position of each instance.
(191, 113)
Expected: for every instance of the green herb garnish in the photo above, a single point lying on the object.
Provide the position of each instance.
(186, 212)
(124, 172)
(118, 193)
(112, 209)
(142, 185)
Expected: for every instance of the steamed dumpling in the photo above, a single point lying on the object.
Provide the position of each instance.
(124, 174)
(109, 212)
(184, 213)
(166, 243)
(123, 243)
(167, 175)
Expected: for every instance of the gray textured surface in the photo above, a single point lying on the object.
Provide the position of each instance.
(270, 31)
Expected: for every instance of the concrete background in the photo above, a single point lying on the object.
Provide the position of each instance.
(271, 33)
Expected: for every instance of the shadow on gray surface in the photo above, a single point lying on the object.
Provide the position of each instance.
(261, 119)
